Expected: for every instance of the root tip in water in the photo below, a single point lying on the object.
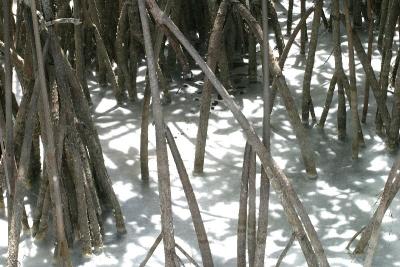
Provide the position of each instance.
(312, 176)
(121, 230)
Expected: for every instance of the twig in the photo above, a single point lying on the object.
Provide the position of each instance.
(17, 60)
(151, 250)
(354, 237)
(63, 21)
(187, 255)
(285, 251)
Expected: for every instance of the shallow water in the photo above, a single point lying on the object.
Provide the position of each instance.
(339, 202)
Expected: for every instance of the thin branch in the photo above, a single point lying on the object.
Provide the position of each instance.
(285, 251)
(151, 250)
(354, 237)
(187, 255)
(63, 21)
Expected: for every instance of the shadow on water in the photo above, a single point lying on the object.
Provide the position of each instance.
(339, 202)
